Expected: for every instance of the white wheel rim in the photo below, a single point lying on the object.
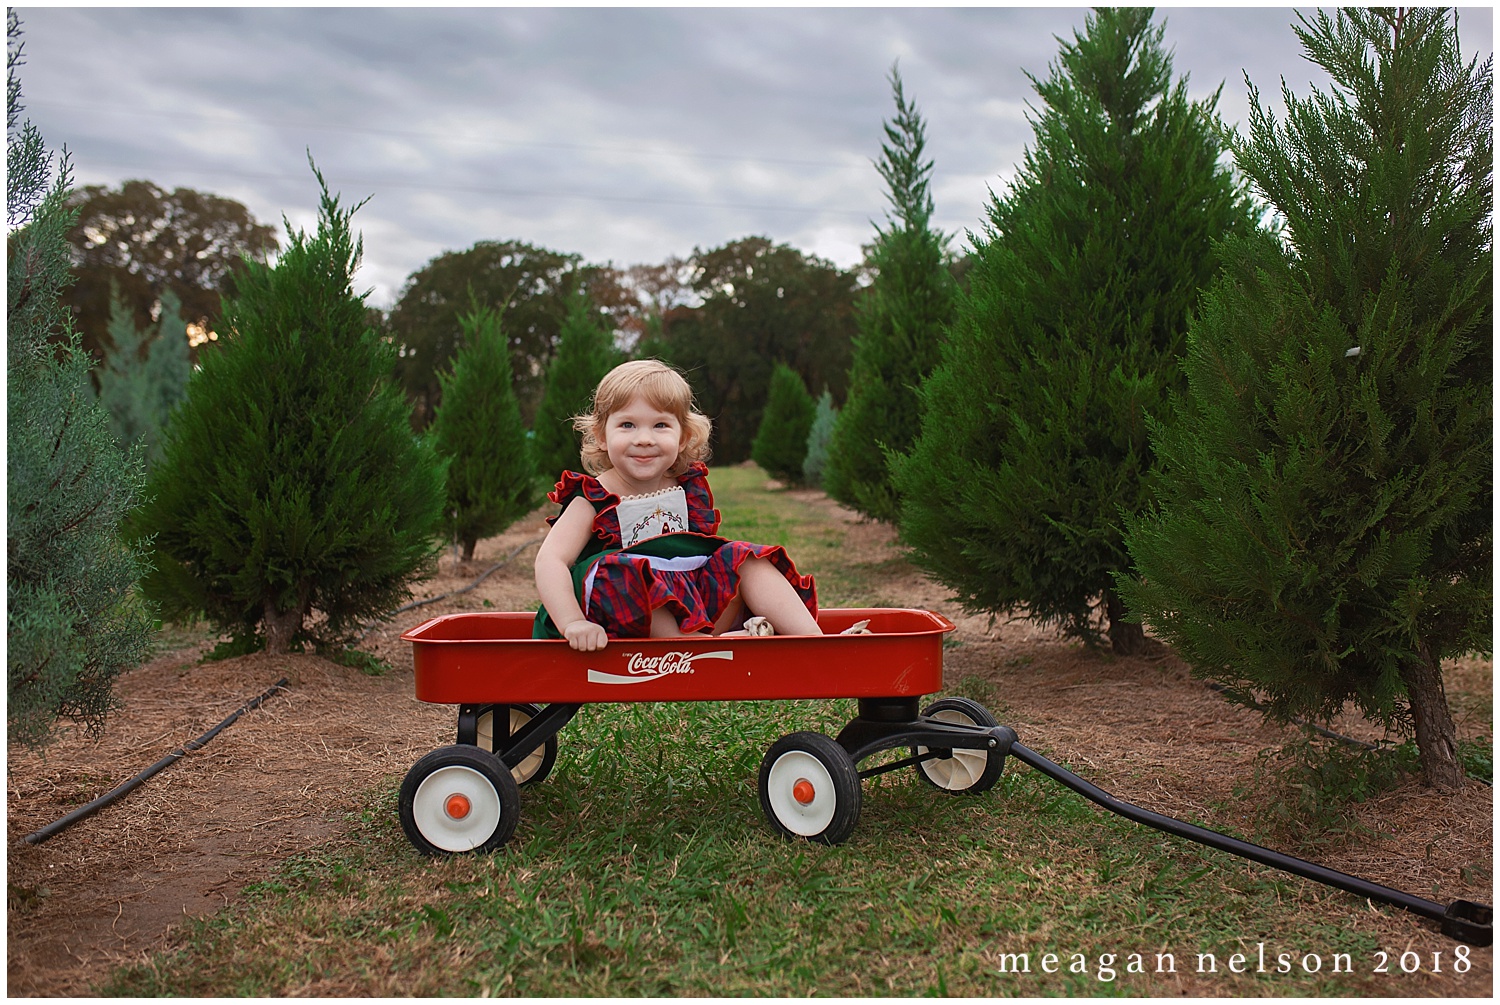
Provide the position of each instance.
(962, 770)
(429, 808)
(803, 819)
(485, 734)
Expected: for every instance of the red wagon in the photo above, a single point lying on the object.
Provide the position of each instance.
(514, 693)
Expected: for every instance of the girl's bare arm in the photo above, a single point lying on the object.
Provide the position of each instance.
(554, 577)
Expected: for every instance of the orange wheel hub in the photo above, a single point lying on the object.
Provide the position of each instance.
(457, 806)
(803, 791)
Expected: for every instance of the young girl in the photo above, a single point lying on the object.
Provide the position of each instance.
(633, 552)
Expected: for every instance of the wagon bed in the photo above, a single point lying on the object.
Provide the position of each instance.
(490, 657)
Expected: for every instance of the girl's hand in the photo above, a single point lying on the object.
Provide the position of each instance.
(585, 636)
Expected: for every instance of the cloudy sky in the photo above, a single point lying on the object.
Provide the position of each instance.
(625, 135)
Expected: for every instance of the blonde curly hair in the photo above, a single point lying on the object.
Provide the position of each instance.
(663, 388)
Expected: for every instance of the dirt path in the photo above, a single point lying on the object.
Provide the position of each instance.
(112, 889)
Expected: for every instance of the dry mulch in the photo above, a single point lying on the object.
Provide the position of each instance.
(113, 888)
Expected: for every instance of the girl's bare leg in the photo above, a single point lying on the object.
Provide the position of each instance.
(665, 626)
(766, 592)
(732, 614)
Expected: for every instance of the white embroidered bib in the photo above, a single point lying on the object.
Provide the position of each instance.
(645, 517)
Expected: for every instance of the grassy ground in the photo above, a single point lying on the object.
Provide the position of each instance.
(642, 866)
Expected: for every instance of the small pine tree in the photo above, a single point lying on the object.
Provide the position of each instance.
(585, 353)
(291, 480)
(901, 321)
(73, 622)
(780, 444)
(491, 476)
(121, 376)
(169, 367)
(1033, 441)
(825, 416)
(145, 374)
(1324, 533)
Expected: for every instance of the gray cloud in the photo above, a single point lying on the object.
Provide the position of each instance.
(625, 135)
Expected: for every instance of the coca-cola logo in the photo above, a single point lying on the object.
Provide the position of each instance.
(640, 667)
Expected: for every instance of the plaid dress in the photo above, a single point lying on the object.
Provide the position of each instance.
(694, 575)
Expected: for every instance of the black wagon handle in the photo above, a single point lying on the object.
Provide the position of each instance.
(1462, 920)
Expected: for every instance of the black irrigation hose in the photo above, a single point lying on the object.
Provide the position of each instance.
(89, 809)
(1321, 731)
(453, 593)
(1330, 734)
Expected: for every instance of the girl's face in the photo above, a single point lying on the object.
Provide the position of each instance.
(642, 442)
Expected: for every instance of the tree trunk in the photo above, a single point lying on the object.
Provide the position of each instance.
(280, 626)
(469, 544)
(1125, 638)
(1437, 740)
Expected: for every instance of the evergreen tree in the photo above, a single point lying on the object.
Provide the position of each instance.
(825, 416)
(1324, 530)
(585, 353)
(72, 621)
(145, 374)
(491, 475)
(901, 321)
(291, 480)
(1033, 440)
(169, 366)
(781, 441)
(122, 375)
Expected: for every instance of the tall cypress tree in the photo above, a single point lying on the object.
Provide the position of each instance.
(1033, 440)
(901, 321)
(1324, 532)
(491, 474)
(291, 481)
(585, 353)
(780, 444)
(73, 623)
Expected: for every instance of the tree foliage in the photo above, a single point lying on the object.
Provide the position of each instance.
(291, 481)
(1033, 440)
(145, 241)
(73, 622)
(780, 444)
(585, 353)
(491, 473)
(901, 321)
(825, 415)
(144, 375)
(1324, 529)
(760, 302)
(528, 284)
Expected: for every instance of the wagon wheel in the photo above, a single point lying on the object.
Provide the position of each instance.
(459, 799)
(537, 763)
(809, 788)
(962, 770)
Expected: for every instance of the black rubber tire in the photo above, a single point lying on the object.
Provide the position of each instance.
(491, 802)
(538, 763)
(963, 771)
(833, 810)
